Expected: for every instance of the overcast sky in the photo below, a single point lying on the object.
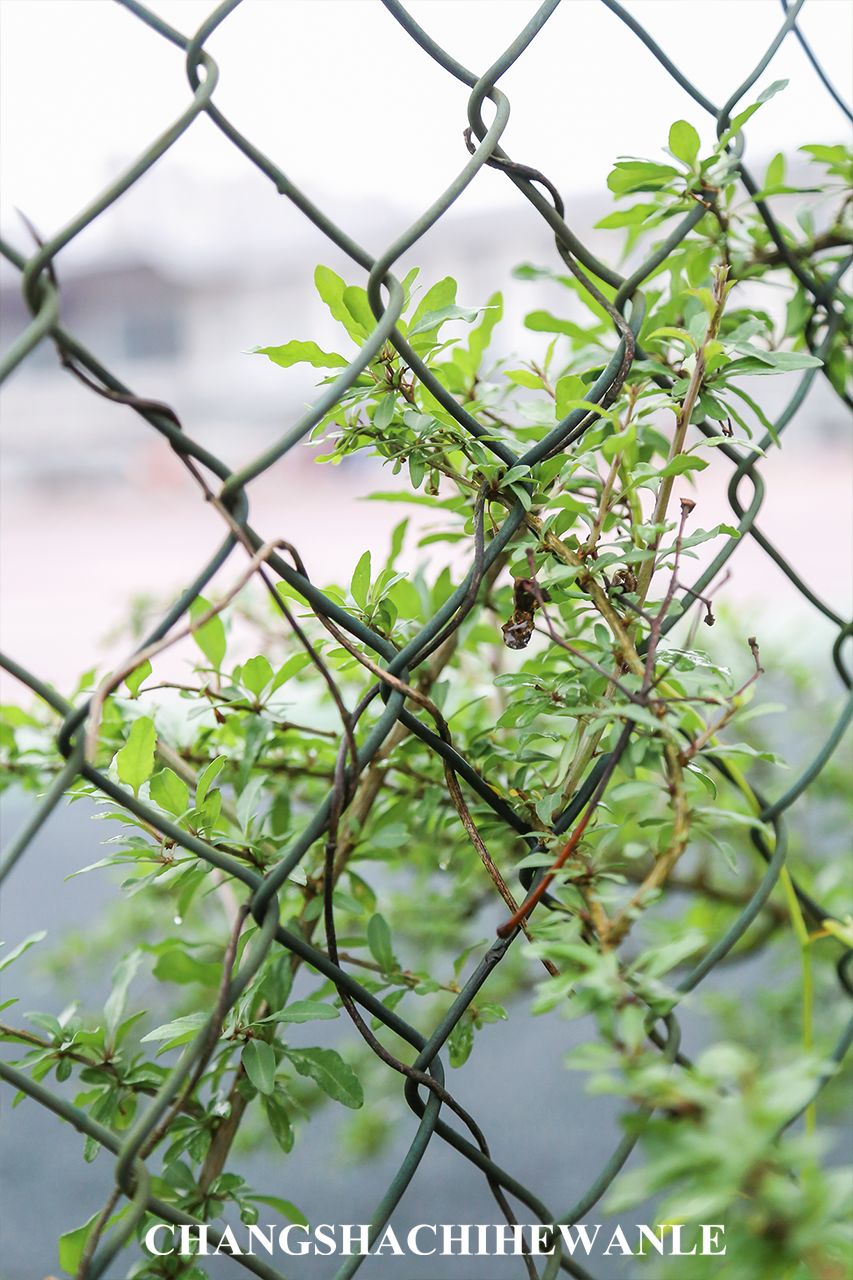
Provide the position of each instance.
(341, 97)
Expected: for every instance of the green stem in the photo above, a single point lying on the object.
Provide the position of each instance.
(802, 935)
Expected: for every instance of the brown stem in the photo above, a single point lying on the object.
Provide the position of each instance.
(509, 926)
(657, 876)
(694, 387)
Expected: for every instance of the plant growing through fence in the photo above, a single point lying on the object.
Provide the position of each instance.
(537, 730)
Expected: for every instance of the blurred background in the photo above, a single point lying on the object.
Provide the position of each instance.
(202, 261)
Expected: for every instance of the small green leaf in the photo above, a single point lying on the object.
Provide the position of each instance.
(740, 120)
(116, 1000)
(684, 141)
(772, 89)
(627, 217)
(525, 378)
(360, 584)
(383, 414)
(775, 175)
(379, 941)
(259, 1062)
(135, 760)
(358, 305)
(29, 941)
(480, 337)
(304, 1011)
(210, 637)
(439, 295)
(176, 965)
(73, 1243)
(640, 175)
(249, 801)
(328, 1069)
(545, 322)
(137, 677)
(570, 387)
(285, 1207)
(207, 777)
(332, 289)
(683, 462)
(435, 319)
(170, 792)
(785, 361)
(289, 669)
(301, 353)
(257, 673)
(461, 1042)
(179, 1031)
(278, 1119)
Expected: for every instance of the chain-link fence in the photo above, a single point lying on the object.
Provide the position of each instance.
(229, 493)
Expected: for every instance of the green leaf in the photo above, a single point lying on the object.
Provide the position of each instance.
(383, 414)
(135, 760)
(331, 289)
(210, 637)
(301, 353)
(768, 363)
(379, 941)
(170, 792)
(292, 667)
(772, 89)
(360, 585)
(640, 175)
(731, 817)
(137, 677)
(545, 322)
(179, 1031)
(73, 1243)
(684, 141)
(683, 462)
(304, 1011)
(461, 1042)
(838, 158)
(176, 965)
(29, 941)
(358, 305)
(278, 1118)
(737, 124)
(259, 1063)
(525, 378)
(632, 217)
(740, 120)
(570, 387)
(116, 1000)
(435, 319)
(256, 674)
(775, 175)
(481, 336)
(328, 1069)
(207, 777)
(249, 800)
(784, 360)
(285, 1207)
(439, 295)
(17, 717)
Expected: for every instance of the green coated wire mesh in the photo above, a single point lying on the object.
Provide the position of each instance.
(229, 492)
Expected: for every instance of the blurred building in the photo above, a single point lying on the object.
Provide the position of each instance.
(182, 281)
(171, 290)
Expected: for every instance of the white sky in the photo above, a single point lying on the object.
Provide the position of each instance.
(341, 97)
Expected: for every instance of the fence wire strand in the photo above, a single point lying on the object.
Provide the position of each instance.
(229, 492)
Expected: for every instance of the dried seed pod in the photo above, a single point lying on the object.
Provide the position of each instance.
(527, 596)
